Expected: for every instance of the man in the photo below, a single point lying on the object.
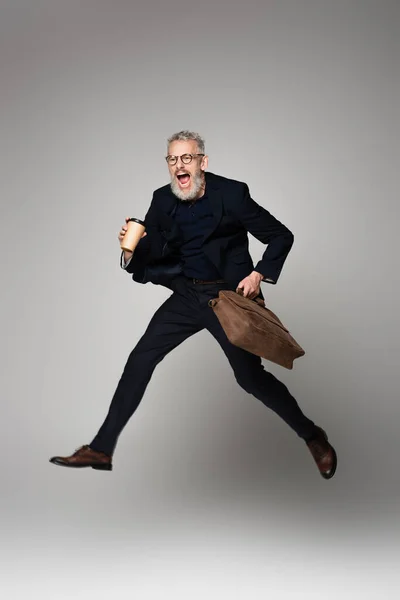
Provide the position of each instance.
(196, 244)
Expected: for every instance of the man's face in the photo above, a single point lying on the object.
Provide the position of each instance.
(187, 181)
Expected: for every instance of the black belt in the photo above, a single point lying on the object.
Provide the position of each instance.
(203, 281)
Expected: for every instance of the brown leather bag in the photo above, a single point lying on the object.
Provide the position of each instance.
(248, 324)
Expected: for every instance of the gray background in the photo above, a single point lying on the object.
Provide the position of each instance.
(212, 495)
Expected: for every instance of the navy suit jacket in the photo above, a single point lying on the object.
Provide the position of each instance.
(156, 258)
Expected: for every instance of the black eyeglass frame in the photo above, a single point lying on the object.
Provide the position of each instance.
(181, 157)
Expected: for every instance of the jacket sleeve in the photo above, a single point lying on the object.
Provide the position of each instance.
(268, 230)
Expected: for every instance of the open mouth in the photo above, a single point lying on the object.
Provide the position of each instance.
(183, 179)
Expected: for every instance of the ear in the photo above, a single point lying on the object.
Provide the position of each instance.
(204, 162)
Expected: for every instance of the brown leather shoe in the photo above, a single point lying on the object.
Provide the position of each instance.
(84, 457)
(323, 453)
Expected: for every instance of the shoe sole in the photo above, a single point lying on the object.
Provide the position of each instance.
(96, 467)
(102, 467)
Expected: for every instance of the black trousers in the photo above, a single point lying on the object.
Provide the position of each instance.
(183, 314)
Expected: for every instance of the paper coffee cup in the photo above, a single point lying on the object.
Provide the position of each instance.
(133, 234)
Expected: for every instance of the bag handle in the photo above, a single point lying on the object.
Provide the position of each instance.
(239, 291)
(259, 301)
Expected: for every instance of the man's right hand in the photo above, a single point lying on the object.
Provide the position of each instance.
(127, 254)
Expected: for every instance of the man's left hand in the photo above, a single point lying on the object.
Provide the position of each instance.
(251, 285)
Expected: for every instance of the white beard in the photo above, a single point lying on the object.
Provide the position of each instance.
(197, 181)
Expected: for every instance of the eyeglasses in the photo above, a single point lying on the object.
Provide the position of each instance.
(185, 158)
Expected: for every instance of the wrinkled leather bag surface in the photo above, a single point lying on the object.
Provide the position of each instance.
(248, 324)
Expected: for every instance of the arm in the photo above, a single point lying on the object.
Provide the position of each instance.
(268, 230)
(150, 246)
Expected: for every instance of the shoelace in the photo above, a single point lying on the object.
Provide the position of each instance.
(81, 448)
(87, 447)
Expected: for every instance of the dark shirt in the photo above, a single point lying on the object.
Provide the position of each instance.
(195, 220)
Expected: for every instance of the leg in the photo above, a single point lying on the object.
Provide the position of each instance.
(252, 377)
(172, 323)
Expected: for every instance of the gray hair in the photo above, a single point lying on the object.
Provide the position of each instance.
(185, 135)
